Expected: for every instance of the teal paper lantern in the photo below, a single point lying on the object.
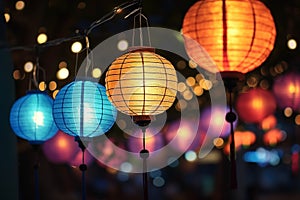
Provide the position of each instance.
(82, 109)
(31, 117)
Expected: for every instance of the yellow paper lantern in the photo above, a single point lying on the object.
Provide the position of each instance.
(141, 83)
(229, 35)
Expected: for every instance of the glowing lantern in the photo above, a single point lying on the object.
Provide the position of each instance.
(61, 148)
(214, 119)
(186, 139)
(82, 109)
(141, 83)
(31, 117)
(256, 104)
(273, 136)
(229, 35)
(286, 89)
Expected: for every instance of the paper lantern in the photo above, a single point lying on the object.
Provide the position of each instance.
(286, 89)
(82, 109)
(153, 142)
(62, 148)
(229, 35)
(214, 119)
(141, 83)
(31, 117)
(254, 105)
(187, 140)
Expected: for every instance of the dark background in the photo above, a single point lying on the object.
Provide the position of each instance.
(203, 180)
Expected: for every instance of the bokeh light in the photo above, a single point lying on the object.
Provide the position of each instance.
(20, 5)
(62, 73)
(76, 47)
(122, 45)
(7, 17)
(292, 44)
(28, 66)
(42, 38)
(96, 73)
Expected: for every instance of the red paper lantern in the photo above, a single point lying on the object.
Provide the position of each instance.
(286, 89)
(229, 35)
(254, 105)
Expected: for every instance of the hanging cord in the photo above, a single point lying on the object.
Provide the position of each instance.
(36, 171)
(231, 117)
(82, 167)
(144, 154)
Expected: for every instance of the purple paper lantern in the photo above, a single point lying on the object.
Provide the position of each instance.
(213, 119)
(286, 89)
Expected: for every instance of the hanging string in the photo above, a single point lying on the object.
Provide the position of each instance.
(82, 167)
(231, 117)
(36, 172)
(144, 154)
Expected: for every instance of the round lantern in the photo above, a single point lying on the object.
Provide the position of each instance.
(186, 138)
(213, 118)
(82, 109)
(234, 35)
(256, 104)
(286, 89)
(31, 117)
(62, 148)
(141, 83)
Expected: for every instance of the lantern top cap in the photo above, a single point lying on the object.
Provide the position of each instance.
(141, 48)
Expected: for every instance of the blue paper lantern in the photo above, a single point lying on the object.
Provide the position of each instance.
(31, 117)
(82, 109)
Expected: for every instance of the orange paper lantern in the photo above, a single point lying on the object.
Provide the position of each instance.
(229, 35)
(141, 83)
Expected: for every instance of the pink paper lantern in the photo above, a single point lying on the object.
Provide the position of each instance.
(153, 142)
(214, 119)
(186, 139)
(286, 89)
(76, 160)
(254, 105)
(61, 148)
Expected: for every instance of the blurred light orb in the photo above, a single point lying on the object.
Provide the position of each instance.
(123, 45)
(286, 89)
(186, 140)
(292, 44)
(42, 38)
(28, 66)
(255, 104)
(20, 5)
(96, 73)
(7, 17)
(62, 73)
(76, 47)
(214, 119)
(62, 148)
